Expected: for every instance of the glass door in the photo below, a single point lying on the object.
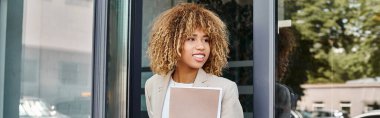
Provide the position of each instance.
(328, 58)
(46, 58)
(238, 15)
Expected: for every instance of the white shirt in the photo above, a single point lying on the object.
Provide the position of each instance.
(165, 109)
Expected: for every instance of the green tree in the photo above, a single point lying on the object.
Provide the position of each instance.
(338, 40)
(344, 35)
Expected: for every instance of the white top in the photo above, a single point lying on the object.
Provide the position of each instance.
(165, 109)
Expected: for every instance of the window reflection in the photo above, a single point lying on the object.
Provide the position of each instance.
(35, 107)
(56, 67)
(334, 68)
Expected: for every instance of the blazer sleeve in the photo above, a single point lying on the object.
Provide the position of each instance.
(148, 96)
(231, 107)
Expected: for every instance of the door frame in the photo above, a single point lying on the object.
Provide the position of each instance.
(264, 31)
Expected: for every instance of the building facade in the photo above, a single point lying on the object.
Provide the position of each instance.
(354, 99)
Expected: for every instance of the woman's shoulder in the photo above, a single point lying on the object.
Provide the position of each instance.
(153, 79)
(151, 85)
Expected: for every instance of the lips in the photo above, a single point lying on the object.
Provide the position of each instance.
(199, 57)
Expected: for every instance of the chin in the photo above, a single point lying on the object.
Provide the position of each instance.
(197, 66)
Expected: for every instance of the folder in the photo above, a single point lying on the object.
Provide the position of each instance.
(195, 102)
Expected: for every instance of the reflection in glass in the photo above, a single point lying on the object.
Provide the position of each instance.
(335, 68)
(56, 58)
(118, 46)
(241, 75)
(34, 107)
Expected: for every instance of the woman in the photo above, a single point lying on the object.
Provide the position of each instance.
(188, 46)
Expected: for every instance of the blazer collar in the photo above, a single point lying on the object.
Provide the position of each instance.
(201, 78)
(199, 81)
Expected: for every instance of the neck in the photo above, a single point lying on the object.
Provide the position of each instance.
(182, 75)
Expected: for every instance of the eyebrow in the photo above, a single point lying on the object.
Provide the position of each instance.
(203, 36)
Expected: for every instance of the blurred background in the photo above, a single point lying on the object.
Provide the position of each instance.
(334, 69)
(48, 67)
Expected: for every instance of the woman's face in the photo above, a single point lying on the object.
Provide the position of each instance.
(195, 51)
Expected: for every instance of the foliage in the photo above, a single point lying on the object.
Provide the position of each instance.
(338, 40)
(344, 36)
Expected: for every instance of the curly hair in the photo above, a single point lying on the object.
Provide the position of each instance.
(286, 47)
(173, 26)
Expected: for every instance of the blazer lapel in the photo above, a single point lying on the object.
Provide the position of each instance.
(201, 78)
(162, 88)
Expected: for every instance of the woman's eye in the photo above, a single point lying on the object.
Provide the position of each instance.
(190, 39)
(207, 40)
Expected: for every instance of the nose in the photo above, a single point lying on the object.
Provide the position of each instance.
(200, 45)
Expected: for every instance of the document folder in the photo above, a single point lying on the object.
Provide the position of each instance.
(195, 102)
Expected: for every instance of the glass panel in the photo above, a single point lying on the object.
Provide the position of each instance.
(49, 56)
(3, 22)
(238, 17)
(334, 69)
(117, 58)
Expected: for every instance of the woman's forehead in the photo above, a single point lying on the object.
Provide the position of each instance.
(198, 29)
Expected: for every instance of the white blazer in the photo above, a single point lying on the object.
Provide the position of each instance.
(156, 86)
